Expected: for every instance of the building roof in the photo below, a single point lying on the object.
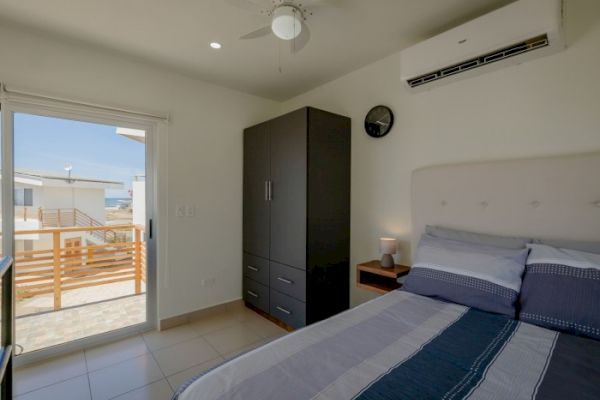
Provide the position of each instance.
(44, 178)
(133, 134)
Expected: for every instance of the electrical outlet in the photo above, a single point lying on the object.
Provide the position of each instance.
(180, 211)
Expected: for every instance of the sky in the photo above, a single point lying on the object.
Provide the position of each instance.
(94, 150)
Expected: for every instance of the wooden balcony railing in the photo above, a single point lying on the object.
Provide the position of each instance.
(70, 265)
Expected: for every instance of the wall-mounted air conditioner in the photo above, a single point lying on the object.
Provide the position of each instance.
(518, 32)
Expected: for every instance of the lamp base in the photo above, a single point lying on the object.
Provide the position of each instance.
(387, 261)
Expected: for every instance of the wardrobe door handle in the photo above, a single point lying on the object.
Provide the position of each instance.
(287, 281)
(267, 191)
(283, 310)
(270, 190)
(251, 293)
(251, 268)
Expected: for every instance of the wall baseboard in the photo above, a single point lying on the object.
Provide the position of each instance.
(182, 319)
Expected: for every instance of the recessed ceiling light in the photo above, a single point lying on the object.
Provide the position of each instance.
(215, 45)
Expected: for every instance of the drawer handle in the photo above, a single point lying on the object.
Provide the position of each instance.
(251, 293)
(251, 268)
(279, 278)
(283, 310)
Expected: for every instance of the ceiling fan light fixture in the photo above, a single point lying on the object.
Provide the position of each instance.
(286, 23)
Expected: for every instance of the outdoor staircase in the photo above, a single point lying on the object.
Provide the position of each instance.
(73, 217)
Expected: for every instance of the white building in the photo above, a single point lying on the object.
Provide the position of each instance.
(46, 200)
(138, 186)
(138, 201)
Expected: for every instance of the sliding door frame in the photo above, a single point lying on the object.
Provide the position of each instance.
(48, 107)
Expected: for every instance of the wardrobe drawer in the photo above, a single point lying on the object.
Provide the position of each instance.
(256, 268)
(256, 294)
(288, 280)
(287, 309)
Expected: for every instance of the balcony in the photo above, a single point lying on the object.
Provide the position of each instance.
(68, 288)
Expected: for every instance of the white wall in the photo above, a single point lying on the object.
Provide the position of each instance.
(200, 156)
(138, 202)
(32, 221)
(548, 106)
(89, 201)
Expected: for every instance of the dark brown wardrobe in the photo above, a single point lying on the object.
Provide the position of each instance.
(296, 244)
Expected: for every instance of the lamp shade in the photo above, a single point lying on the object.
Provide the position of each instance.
(387, 245)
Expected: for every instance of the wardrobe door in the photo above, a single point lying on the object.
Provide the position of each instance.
(256, 178)
(288, 150)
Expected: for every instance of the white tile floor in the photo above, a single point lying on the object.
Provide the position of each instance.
(149, 366)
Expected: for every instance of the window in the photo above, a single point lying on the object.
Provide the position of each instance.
(27, 245)
(24, 197)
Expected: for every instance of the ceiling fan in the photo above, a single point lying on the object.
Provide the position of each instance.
(288, 20)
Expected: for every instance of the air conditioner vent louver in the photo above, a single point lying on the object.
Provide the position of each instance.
(489, 58)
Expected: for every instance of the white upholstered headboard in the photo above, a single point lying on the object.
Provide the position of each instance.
(551, 197)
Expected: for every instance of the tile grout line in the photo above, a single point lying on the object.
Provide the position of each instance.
(119, 362)
(158, 364)
(87, 370)
(129, 359)
(53, 383)
(147, 384)
(172, 344)
(212, 346)
(137, 388)
(193, 366)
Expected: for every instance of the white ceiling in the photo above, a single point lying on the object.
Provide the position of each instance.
(346, 35)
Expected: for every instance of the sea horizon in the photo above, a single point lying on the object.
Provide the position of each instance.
(115, 201)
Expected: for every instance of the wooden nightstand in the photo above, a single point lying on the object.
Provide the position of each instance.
(372, 276)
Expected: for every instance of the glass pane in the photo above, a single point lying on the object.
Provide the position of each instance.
(79, 229)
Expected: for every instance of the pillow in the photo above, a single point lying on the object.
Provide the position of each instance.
(588, 247)
(507, 242)
(475, 275)
(561, 290)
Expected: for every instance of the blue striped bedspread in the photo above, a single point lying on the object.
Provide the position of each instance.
(405, 346)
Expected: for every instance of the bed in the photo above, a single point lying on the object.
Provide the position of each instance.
(408, 346)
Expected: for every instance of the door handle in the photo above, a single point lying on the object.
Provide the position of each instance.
(270, 190)
(251, 293)
(283, 310)
(279, 278)
(267, 191)
(251, 268)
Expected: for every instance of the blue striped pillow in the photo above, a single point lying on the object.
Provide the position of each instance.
(481, 276)
(561, 290)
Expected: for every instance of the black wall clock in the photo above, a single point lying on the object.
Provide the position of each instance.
(379, 121)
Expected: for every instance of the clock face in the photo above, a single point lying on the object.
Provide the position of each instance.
(379, 121)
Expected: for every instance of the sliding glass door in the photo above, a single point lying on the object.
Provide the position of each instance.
(80, 230)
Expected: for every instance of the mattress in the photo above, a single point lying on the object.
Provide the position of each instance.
(406, 346)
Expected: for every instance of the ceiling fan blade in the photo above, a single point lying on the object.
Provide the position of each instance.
(319, 3)
(246, 5)
(264, 31)
(301, 41)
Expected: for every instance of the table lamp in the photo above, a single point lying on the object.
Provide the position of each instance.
(387, 246)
